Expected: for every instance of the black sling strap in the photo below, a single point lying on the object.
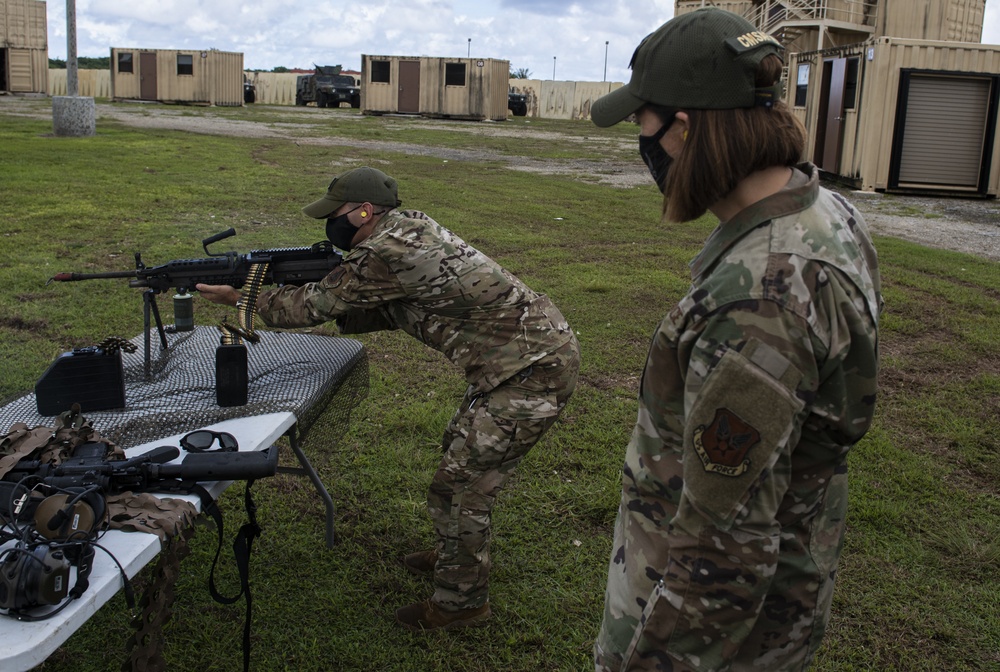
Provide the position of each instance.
(242, 548)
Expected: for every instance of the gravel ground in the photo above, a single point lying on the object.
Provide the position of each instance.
(964, 225)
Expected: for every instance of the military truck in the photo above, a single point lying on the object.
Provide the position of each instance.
(517, 103)
(327, 88)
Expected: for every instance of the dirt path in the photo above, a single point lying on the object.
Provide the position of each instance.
(964, 225)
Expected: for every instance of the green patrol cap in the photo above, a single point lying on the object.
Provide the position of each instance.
(703, 60)
(355, 186)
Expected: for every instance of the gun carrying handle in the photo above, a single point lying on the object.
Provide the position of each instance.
(217, 237)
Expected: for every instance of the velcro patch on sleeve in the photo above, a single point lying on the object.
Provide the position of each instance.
(738, 426)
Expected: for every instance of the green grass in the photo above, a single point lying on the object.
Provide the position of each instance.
(917, 587)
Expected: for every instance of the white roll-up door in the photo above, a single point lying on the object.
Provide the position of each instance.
(945, 129)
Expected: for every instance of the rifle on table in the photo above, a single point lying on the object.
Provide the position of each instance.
(282, 266)
(144, 473)
(23, 585)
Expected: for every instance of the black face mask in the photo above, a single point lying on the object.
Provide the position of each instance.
(656, 158)
(340, 231)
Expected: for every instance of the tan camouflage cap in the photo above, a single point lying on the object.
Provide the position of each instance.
(356, 186)
(702, 60)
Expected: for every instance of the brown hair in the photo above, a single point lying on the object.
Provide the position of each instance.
(725, 146)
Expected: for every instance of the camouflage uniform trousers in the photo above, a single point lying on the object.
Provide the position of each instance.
(484, 442)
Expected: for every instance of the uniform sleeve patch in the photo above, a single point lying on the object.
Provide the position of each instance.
(724, 444)
(737, 427)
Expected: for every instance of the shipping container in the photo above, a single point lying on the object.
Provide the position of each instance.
(902, 115)
(24, 46)
(458, 88)
(208, 77)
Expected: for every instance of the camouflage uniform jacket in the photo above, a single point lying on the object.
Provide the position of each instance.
(413, 274)
(756, 385)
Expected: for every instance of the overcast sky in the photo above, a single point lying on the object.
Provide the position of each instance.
(561, 37)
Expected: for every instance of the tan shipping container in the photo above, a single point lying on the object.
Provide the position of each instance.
(902, 115)
(950, 20)
(209, 77)
(24, 46)
(459, 88)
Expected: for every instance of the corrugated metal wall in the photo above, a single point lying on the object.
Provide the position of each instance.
(216, 79)
(869, 129)
(734, 6)
(561, 100)
(954, 20)
(24, 36)
(23, 24)
(273, 88)
(91, 83)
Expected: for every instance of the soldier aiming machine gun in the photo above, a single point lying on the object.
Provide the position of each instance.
(282, 266)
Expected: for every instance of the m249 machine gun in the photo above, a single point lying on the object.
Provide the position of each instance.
(282, 266)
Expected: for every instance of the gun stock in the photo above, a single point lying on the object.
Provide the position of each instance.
(239, 465)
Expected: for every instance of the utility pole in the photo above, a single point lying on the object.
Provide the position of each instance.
(553, 68)
(72, 80)
(71, 114)
(605, 61)
(469, 55)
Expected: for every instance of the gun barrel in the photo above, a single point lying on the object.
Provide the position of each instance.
(72, 277)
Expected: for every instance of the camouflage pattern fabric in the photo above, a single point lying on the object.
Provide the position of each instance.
(413, 274)
(484, 441)
(734, 496)
(519, 355)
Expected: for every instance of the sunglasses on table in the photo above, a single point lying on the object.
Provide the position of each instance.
(202, 441)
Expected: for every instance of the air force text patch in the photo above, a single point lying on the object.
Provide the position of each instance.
(723, 445)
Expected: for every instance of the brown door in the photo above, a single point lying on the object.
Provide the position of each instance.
(19, 67)
(147, 75)
(830, 130)
(409, 87)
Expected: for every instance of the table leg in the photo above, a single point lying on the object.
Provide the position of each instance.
(308, 470)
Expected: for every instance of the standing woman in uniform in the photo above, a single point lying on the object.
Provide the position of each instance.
(756, 384)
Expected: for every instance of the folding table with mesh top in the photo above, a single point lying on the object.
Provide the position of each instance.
(293, 378)
(302, 374)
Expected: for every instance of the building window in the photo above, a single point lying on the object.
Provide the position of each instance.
(454, 74)
(851, 84)
(380, 72)
(801, 85)
(185, 64)
(124, 61)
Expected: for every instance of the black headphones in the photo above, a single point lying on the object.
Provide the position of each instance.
(37, 574)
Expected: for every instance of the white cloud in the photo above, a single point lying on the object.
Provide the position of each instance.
(271, 33)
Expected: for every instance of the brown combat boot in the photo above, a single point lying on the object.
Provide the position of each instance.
(427, 615)
(421, 563)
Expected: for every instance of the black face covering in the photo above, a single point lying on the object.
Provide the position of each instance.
(656, 158)
(340, 231)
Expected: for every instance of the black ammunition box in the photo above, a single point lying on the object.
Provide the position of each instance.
(91, 377)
